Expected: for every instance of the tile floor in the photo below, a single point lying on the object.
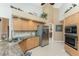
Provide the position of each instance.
(53, 49)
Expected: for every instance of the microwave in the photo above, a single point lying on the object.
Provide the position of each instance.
(71, 29)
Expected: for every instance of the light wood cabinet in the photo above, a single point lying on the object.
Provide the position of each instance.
(36, 41)
(72, 20)
(32, 42)
(69, 21)
(29, 43)
(71, 51)
(32, 25)
(23, 45)
(17, 24)
(76, 18)
(24, 25)
(5, 24)
(4, 28)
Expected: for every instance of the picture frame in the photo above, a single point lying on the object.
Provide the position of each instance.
(59, 28)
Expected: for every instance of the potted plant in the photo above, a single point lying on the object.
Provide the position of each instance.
(44, 15)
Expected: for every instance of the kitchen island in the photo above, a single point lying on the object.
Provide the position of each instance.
(29, 43)
(10, 49)
(18, 47)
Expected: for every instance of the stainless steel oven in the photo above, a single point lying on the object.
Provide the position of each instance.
(71, 41)
(71, 37)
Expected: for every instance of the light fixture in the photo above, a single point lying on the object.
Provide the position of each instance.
(49, 3)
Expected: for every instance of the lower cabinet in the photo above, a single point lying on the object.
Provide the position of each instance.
(23, 45)
(71, 51)
(30, 43)
(36, 42)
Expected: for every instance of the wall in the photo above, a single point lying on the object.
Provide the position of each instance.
(53, 16)
(58, 36)
(51, 11)
(63, 15)
(4, 10)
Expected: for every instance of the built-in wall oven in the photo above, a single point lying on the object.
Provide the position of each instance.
(71, 41)
(71, 38)
(71, 29)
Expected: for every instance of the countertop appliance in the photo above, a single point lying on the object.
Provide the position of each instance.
(43, 33)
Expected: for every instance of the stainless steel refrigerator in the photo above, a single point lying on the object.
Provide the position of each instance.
(43, 33)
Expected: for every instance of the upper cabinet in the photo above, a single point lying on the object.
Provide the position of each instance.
(23, 21)
(17, 24)
(69, 21)
(5, 24)
(76, 18)
(32, 25)
(24, 25)
(72, 20)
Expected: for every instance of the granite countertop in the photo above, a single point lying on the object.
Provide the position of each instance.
(20, 39)
(12, 48)
(9, 49)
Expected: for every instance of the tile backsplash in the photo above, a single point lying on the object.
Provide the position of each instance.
(24, 34)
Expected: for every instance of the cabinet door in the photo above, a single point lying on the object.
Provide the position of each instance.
(24, 25)
(30, 25)
(76, 18)
(69, 20)
(23, 45)
(30, 44)
(35, 26)
(36, 41)
(5, 24)
(17, 24)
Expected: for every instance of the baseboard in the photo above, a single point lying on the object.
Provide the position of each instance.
(59, 41)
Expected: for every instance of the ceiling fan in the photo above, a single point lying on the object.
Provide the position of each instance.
(49, 3)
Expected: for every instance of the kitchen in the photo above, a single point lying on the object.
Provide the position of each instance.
(25, 33)
(24, 29)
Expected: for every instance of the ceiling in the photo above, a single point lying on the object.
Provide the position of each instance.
(33, 7)
(58, 5)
